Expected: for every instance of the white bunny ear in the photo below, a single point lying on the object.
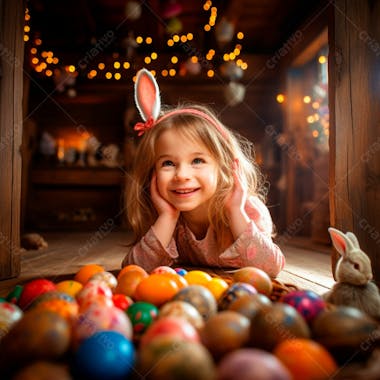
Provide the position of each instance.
(353, 239)
(147, 95)
(339, 240)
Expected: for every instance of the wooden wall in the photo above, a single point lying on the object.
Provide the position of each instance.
(11, 64)
(355, 126)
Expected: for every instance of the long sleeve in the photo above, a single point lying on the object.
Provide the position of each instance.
(149, 253)
(255, 247)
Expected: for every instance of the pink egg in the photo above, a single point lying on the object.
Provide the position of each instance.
(92, 290)
(163, 269)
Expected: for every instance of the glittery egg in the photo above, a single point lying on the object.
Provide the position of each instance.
(306, 302)
(181, 309)
(107, 277)
(9, 314)
(233, 292)
(141, 314)
(200, 297)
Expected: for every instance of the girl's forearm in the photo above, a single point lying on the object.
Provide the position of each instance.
(239, 221)
(164, 228)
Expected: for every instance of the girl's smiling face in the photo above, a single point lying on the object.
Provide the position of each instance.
(187, 173)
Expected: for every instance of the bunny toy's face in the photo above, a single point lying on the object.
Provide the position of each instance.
(354, 269)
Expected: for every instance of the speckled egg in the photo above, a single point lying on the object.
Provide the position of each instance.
(200, 297)
(182, 309)
(40, 334)
(92, 290)
(348, 333)
(141, 314)
(308, 303)
(107, 277)
(235, 291)
(275, 323)
(170, 357)
(9, 314)
(100, 317)
(249, 305)
(163, 269)
(249, 364)
(224, 332)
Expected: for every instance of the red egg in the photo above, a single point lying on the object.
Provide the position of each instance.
(33, 289)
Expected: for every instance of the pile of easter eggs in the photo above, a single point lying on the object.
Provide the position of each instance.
(175, 323)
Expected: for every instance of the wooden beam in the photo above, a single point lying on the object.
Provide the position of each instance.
(355, 102)
(11, 78)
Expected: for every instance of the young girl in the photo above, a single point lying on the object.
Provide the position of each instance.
(194, 194)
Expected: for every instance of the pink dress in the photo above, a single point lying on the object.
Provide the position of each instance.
(254, 247)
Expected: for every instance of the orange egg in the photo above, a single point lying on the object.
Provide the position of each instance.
(156, 289)
(306, 359)
(179, 280)
(129, 268)
(216, 286)
(87, 271)
(127, 282)
(197, 277)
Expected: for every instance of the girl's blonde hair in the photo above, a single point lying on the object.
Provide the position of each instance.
(224, 147)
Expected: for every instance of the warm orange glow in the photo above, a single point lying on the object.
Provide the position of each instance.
(307, 99)
(280, 98)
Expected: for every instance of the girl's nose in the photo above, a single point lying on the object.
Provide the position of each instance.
(182, 172)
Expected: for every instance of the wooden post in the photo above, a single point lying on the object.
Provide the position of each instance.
(11, 68)
(354, 74)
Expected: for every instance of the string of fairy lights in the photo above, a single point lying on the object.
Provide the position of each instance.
(116, 66)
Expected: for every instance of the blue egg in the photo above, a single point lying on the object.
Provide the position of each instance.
(105, 355)
(180, 271)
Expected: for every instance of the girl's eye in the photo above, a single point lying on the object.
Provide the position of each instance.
(167, 163)
(198, 161)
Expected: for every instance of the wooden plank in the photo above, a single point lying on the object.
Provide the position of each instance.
(11, 63)
(355, 67)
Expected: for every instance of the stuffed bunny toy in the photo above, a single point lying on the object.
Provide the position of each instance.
(353, 274)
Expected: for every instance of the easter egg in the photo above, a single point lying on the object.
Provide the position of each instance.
(200, 297)
(9, 315)
(171, 358)
(249, 305)
(92, 290)
(39, 334)
(52, 295)
(233, 292)
(122, 301)
(170, 326)
(43, 370)
(142, 315)
(156, 289)
(134, 267)
(251, 363)
(180, 271)
(197, 277)
(104, 355)
(256, 277)
(348, 333)
(100, 317)
(308, 303)
(66, 309)
(86, 272)
(306, 359)
(275, 323)
(69, 287)
(181, 309)
(163, 269)
(224, 332)
(33, 289)
(179, 280)
(15, 294)
(107, 277)
(217, 286)
(127, 282)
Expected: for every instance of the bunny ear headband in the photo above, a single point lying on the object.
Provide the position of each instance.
(148, 102)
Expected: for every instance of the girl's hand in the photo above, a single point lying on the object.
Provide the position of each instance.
(162, 206)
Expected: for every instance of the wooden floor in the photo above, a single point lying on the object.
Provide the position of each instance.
(307, 266)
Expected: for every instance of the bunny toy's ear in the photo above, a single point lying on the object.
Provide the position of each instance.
(353, 239)
(339, 240)
(147, 95)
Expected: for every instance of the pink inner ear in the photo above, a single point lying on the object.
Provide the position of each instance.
(146, 94)
(340, 241)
